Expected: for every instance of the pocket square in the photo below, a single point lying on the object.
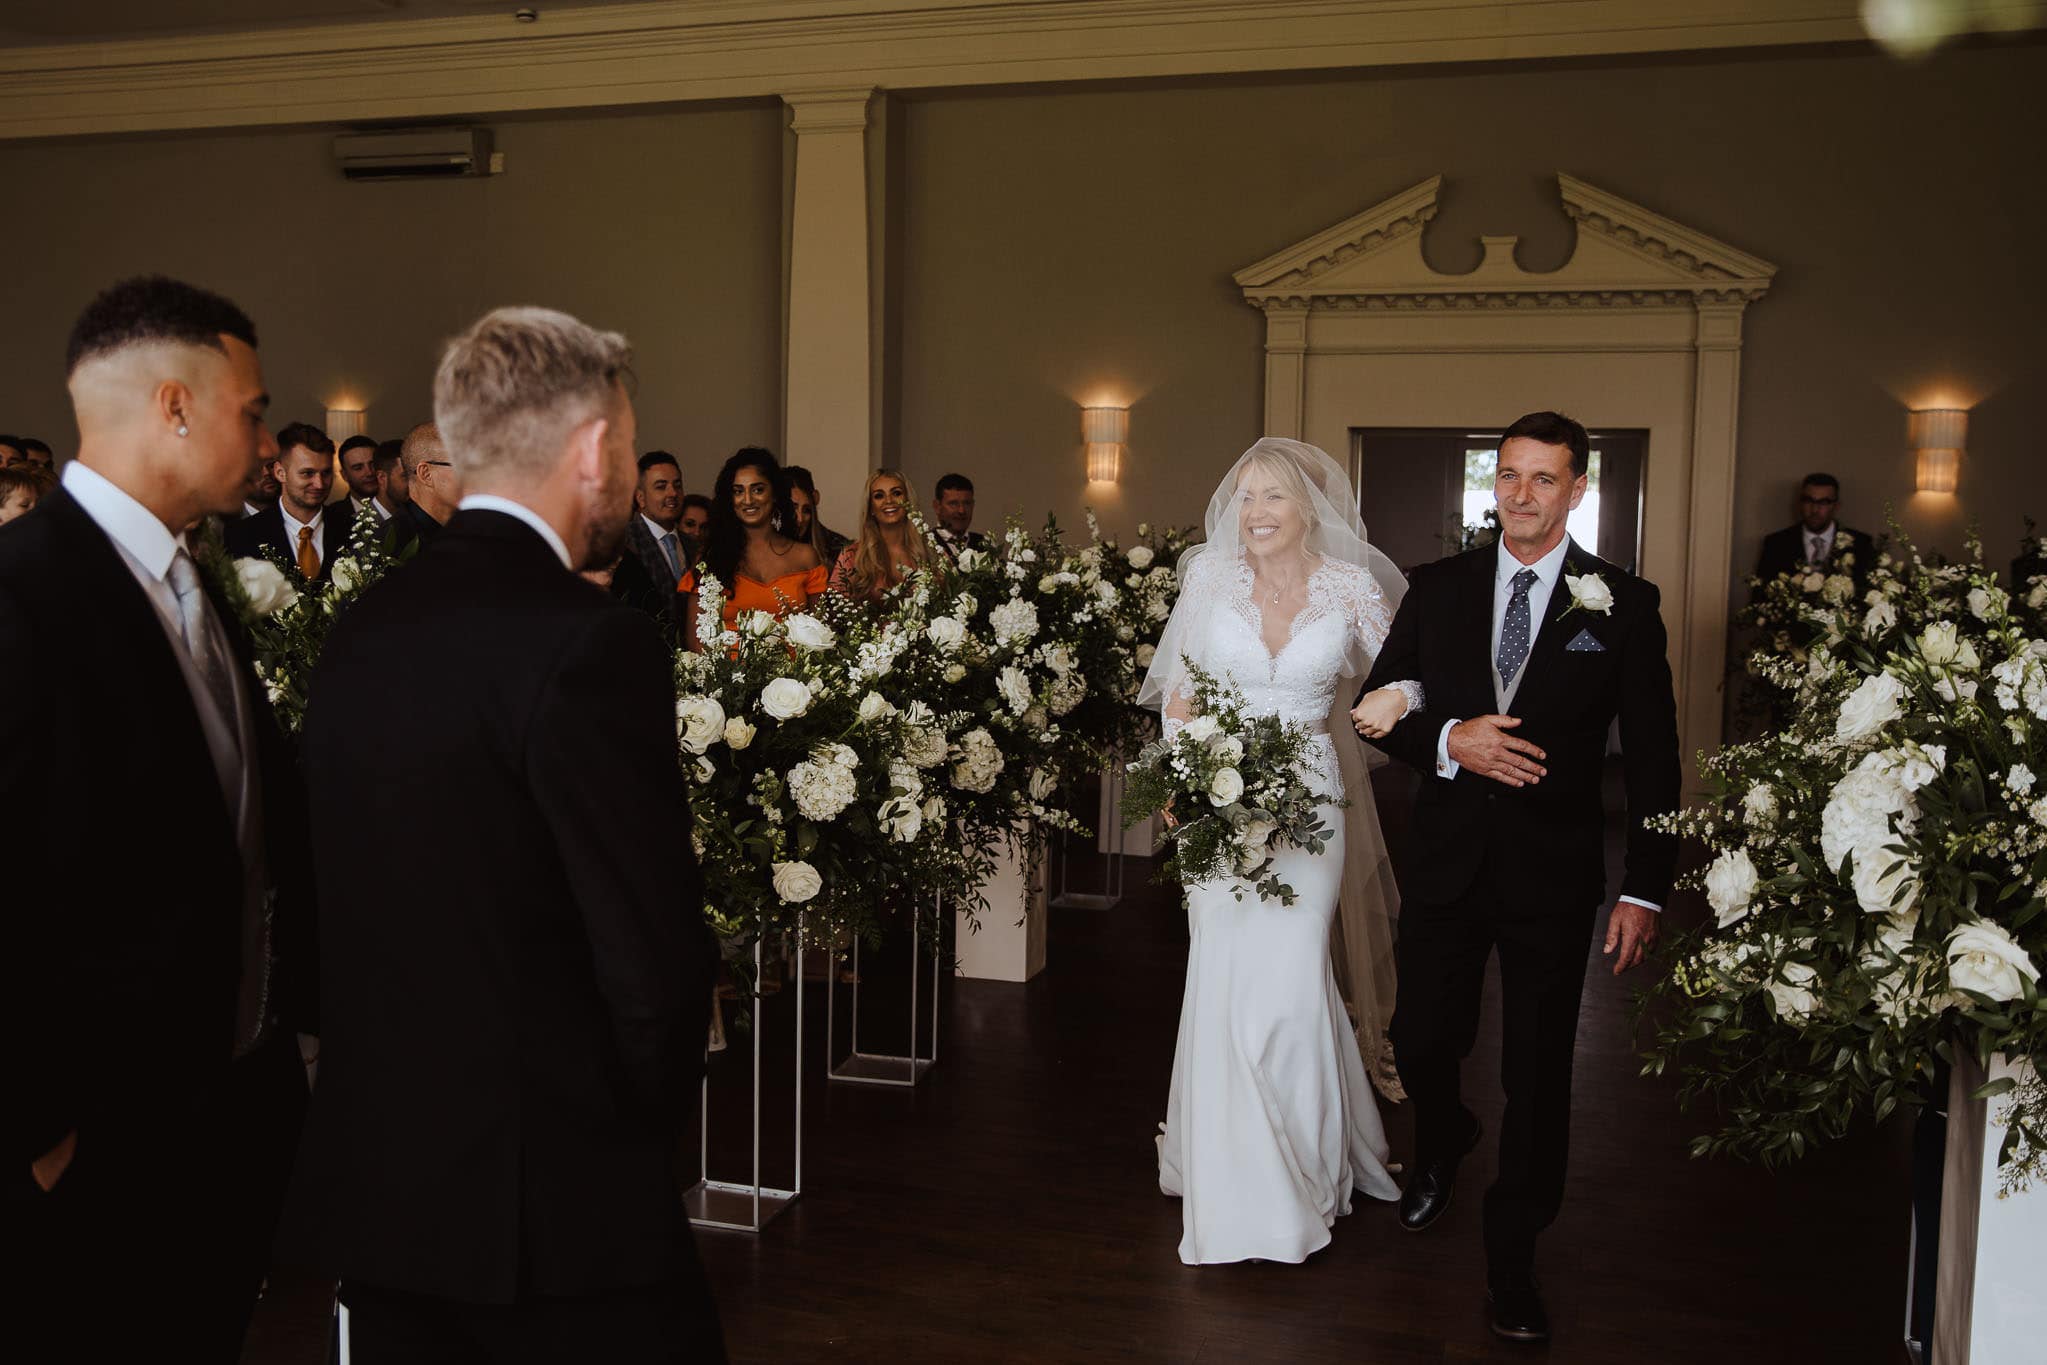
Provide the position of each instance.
(1585, 642)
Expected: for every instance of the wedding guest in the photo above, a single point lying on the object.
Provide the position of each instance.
(890, 548)
(36, 453)
(758, 564)
(432, 483)
(10, 452)
(147, 1000)
(655, 536)
(803, 497)
(261, 493)
(359, 472)
(1818, 540)
(696, 518)
(625, 579)
(389, 465)
(514, 1035)
(21, 488)
(952, 507)
(302, 531)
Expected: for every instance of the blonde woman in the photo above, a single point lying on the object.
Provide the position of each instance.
(889, 548)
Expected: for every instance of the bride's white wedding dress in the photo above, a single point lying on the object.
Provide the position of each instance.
(1271, 1122)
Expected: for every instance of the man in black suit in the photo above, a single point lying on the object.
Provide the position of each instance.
(1526, 652)
(156, 918)
(952, 504)
(655, 533)
(303, 530)
(433, 488)
(1818, 539)
(514, 1012)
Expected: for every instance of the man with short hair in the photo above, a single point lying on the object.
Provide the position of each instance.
(696, 519)
(433, 486)
(952, 505)
(36, 453)
(389, 466)
(261, 492)
(514, 1010)
(803, 496)
(655, 535)
(1818, 540)
(359, 472)
(150, 987)
(302, 531)
(10, 452)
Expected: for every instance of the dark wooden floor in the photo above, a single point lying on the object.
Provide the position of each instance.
(1008, 1209)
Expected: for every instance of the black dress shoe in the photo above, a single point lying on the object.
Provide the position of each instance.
(1427, 1194)
(1517, 1313)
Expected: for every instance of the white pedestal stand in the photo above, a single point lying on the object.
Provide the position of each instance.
(1010, 944)
(1991, 1303)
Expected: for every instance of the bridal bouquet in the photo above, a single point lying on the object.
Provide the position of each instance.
(287, 616)
(1878, 878)
(1228, 824)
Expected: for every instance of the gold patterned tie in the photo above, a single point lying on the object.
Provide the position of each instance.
(309, 558)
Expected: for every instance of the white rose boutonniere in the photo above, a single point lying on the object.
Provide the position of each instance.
(1589, 592)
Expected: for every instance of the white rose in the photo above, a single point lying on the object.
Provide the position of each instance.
(966, 604)
(1231, 748)
(757, 624)
(1885, 883)
(1979, 604)
(345, 576)
(1731, 884)
(738, 733)
(1982, 957)
(1139, 556)
(1792, 991)
(699, 722)
(1043, 784)
(934, 810)
(1015, 689)
(945, 632)
(1873, 705)
(1759, 806)
(1226, 786)
(1145, 654)
(1838, 588)
(2036, 596)
(797, 882)
(807, 632)
(1257, 832)
(1860, 810)
(1201, 728)
(785, 698)
(1881, 618)
(1941, 643)
(874, 707)
(1813, 582)
(970, 560)
(954, 672)
(268, 589)
(902, 818)
(704, 769)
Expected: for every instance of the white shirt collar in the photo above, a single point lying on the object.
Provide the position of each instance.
(127, 522)
(292, 523)
(658, 530)
(490, 502)
(1546, 569)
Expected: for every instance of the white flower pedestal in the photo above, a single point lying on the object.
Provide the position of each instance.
(1010, 944)
(1991, 1302)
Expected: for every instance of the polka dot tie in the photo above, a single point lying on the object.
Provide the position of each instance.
(1514, 629)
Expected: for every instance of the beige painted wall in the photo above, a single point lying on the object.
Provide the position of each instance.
(1064, 245)
(665, 226)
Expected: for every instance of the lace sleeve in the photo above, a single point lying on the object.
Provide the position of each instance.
(1365, 606)
(1413, 692)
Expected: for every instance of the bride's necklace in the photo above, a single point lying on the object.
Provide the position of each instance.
(1277, 592)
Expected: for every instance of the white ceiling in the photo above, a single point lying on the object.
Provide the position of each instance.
(44, 21)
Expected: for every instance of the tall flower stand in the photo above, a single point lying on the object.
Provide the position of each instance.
(748, 1205)
(1991, 1304)
(1009, 944)
(874, 1068)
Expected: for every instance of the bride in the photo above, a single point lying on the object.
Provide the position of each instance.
(1271, 1121)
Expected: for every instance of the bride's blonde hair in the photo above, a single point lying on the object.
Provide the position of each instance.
(1293, 482)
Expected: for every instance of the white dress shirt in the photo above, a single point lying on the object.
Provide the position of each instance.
(360, 503)
(1548, 570)
(1819, 545)
(292, 525)
(491, 502)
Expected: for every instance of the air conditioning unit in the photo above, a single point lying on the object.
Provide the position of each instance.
(415, 154)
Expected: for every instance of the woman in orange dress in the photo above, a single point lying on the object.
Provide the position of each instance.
(745, 548)
(889, 547)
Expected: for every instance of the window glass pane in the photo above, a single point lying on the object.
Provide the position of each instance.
(1479, 464)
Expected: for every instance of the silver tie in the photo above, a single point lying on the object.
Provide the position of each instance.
(668, 550)
(1514, 631)
(199, 640)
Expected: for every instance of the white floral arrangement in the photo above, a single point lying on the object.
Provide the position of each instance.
(1878, 877)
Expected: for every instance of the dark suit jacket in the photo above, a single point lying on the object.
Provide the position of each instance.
(1442, 638)
(1784, 551)
(514, 1003)
(630, 585)
(410, 524)
(252, 537)
(643, 547)
(123, 905)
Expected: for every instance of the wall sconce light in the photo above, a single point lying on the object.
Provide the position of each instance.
(1938, 435)
(1106, 430)
(343, 423)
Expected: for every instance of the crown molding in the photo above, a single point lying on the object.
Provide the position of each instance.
(1625, 257)
(667, 51)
